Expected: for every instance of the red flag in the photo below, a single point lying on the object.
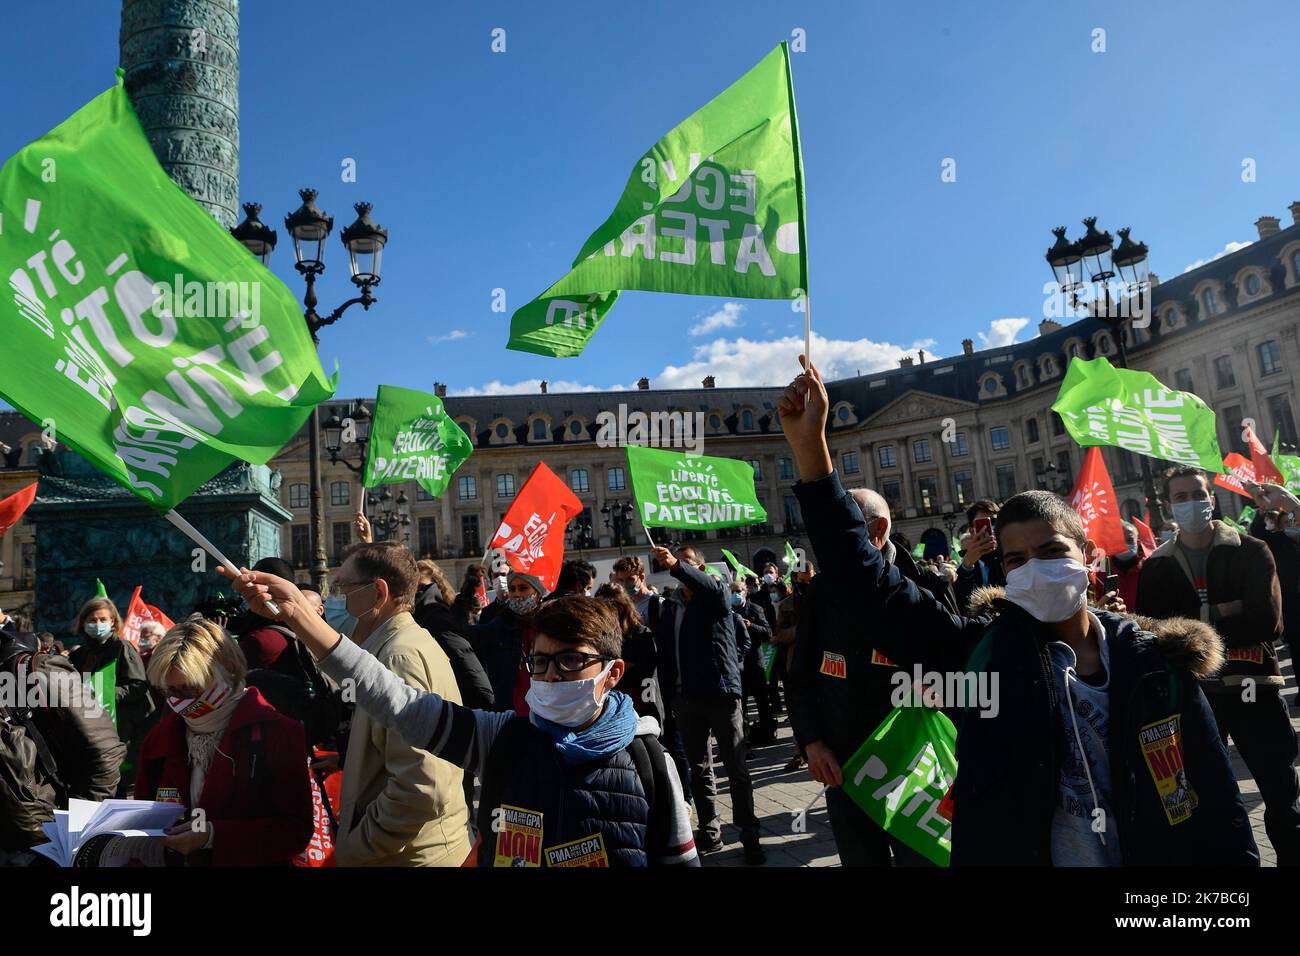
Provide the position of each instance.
(137, 613)
(531, 535)
(12, 508)
(1265, 470)
(1146, 538)
(1094, 498)
(1240, 469)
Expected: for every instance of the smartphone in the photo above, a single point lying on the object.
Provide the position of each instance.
(1111, 583)
(981, 525)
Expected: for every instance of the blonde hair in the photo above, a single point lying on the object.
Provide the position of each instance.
(197, 647)
(97, 604)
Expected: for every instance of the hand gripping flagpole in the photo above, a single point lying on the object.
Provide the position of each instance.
(194, 535)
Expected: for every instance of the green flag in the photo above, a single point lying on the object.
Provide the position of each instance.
(413, 439)
(716, 207)
(1104, 405)
(1247, 516)
(151, 341)
(674, 489)
(103, 683)
(100, 590)
(918, 551)
(1289, 465)
(901, 775)
(742, 572)
(767, 657)
(791, 563)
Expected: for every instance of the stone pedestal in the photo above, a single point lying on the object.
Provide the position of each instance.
(88, 527)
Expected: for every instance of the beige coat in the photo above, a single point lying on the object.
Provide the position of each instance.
(401, 806)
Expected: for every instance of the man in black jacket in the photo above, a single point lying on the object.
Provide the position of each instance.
(840, 691)
(700, 673)
(981, 564)
(1099, 748)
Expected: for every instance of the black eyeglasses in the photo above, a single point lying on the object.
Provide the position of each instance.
(566, 662)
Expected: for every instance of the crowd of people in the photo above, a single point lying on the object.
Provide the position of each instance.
(579, 725)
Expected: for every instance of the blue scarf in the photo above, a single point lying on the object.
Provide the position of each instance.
(613, 730)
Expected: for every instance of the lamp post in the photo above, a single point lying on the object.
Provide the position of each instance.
(1096, 256)
(617, 519)
(389, 515)
(578, 534)
(365, 242)
(1049, 479)
(354, 429)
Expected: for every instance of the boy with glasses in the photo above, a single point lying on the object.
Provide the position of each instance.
(579, 782)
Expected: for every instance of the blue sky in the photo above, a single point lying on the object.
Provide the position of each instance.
(489, 170)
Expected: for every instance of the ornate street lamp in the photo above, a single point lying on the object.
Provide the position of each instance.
(309, 227)
(337, 432)
(618, 519)
(1100, 260)
(390, 515)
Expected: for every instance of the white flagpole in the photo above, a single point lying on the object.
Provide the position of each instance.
(197, 537)
(807, 330)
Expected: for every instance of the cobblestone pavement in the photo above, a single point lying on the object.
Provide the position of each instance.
(779, 795)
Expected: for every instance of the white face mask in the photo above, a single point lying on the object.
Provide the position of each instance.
(522, 605)
(569, 703)
(98, 630)
(1049, 589)
(1193, 516)
(769, 578)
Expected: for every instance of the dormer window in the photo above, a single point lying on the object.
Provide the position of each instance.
(747, 420)
(539, 429)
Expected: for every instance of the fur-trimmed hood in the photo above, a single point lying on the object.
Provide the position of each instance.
(1186, 644)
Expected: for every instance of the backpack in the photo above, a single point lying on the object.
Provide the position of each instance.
(30, 788)
(647, 755)
(305, 696)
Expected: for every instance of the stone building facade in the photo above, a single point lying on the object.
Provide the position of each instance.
(1225, 330)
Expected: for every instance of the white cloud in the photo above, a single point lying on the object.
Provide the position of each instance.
(527, 386)
(736, 363)
(451, 336)
(726, 317)
(1002, 332)
(1227, 250)
(742, 362)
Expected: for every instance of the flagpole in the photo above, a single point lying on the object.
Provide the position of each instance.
(648, 538)
(807, 331)
(194, 535)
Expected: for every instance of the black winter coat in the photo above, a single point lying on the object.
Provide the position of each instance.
(1009, 765)
(697, 638)
(436, 616)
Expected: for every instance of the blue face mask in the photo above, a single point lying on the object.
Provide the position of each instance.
(737, 599)
(337, 616)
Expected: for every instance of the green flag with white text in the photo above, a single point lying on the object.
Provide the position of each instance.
(413, 439)
(136, 328)
(716, 207)
(674, 489)
(1104, 405)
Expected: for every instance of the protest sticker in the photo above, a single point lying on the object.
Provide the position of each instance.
(587, 851)
(519, 841)
(833, 665)
(1162, 746)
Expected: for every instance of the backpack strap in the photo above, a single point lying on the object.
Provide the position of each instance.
(24, 719)
(652, 767)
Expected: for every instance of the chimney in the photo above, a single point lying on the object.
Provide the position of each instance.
(643, 383)
(440, 389)
(708, 381)
(967, 347)
(1267, 226)
(906, 361)
(543, 386)
(1295, 212)
(1153, 280)
(1047, 327)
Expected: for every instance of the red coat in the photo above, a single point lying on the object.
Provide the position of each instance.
(262, 810)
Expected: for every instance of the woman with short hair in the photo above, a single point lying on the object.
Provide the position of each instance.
(223, 749)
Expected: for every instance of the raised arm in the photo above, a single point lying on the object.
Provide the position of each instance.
(907, 625)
